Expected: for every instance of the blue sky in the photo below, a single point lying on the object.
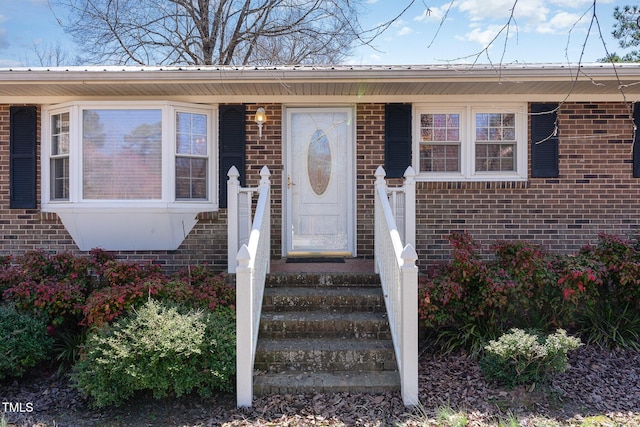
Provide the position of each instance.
(543, 31)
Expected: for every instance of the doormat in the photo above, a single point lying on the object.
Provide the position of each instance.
(315, 260)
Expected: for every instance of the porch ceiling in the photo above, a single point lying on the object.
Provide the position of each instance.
(227, 84)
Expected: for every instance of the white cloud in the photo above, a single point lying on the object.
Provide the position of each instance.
(482, 35)
(577, 3)
(433, 14)
(405, 31)
(530, 16)
(525, 12)
(561, 23)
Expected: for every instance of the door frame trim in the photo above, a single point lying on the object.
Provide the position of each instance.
(351, 175)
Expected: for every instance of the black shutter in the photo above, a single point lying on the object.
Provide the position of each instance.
(232, 145)
(22, 157)
(397, 149)
(636, 141)
(544, 141)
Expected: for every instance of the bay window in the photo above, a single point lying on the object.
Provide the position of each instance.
(149, 162)
(121, 154)
(471, 142)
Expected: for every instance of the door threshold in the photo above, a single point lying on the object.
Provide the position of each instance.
(310, 254)
(315, 260)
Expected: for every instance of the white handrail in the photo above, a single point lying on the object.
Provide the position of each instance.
(253, 264)
(239, 205)
(399, 277)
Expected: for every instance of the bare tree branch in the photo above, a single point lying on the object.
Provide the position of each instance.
(226, 32)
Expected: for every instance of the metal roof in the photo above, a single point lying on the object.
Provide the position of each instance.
(310, 83)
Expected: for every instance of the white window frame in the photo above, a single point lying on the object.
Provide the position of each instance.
(169, 150)
(467, 113)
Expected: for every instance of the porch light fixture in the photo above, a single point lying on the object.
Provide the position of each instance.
(260, 119)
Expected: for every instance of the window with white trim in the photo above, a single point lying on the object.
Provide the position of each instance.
(191, 155)
(470, 142)
(111, 152)
(59, 162)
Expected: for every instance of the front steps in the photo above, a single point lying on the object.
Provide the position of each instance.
(324, 333)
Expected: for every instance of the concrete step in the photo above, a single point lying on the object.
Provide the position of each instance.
(324, 333)
(321, 324)
(326, 382)
(345, 299)
(322, 279)
(328, 355)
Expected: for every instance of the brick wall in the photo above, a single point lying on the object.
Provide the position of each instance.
(594, 193)
(369, 155)
(23, 230)
(267, 151)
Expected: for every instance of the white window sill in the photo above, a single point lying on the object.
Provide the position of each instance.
(147, 226)
(475, 178)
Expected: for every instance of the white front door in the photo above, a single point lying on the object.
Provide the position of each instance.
(319, 179)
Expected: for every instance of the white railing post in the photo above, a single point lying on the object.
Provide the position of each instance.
(409, 319)
(377, 247)
(265, 181)
(253, 263)
(410, 207)
(396, 264)
(233, 188)
(244, 328)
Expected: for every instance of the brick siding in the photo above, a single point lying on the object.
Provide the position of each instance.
(22, 230)
(594, 193)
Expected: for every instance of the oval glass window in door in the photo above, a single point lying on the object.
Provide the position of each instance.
(319, 162)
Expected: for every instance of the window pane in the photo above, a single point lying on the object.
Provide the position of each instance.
(509, 134)
(440, 127)
(191, 134)
(495, 142)
(495, 127)
(60, 178)
(122, 154)
(441, 133)
(482, 134)
(60, 134)
(439, 158)
(495, 157)
(191, 178)
(191, 141)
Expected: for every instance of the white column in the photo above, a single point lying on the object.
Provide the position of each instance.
(244, 329)
(410, 207)
(379, 188)
(265, 182)
(409, 322)
(233, 188)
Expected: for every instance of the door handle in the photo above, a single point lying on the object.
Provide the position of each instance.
(289, 183)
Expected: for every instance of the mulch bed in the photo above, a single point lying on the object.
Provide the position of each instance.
(598, 382)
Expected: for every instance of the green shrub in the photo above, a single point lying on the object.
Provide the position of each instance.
(610, 327)
(23, 342)
(534, 300)
(473, 298)
(160, 349)
(50, 286)
(519, 357)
